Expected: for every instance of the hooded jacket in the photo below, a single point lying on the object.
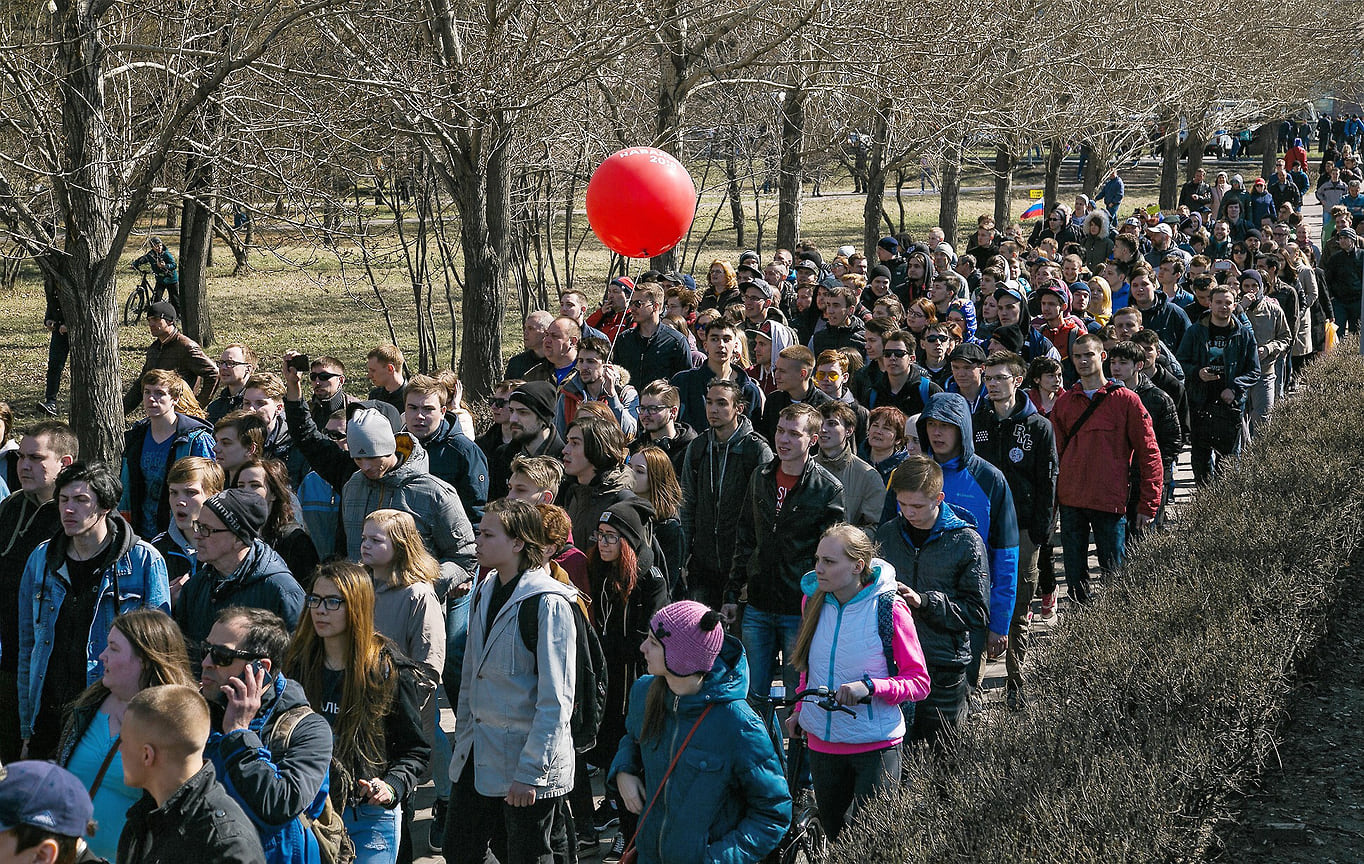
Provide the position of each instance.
(458, 461)
(783, 337)
(192, 437)
(23, 525)
(275, 785)
(513, 714)
(198, 822)
(904, 290)
(979, 487)
(863, 489)
(714, 486)
(848, 646)
(1167, 319)
(624, 405)
(851, 335)
(623, 626)
(951, 573)
(691, 391)
(726, 802)
(433, 503)
(775, 546)
(175, 549)
(261, 581)
(132, 575)
(912, 397)
(675, 447)
(1095, 460)
(1240, 361)
(1023, 447)
(586, 503)
(1270, 325)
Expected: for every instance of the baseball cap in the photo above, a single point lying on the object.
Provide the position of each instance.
(890, 244)
(806, 264)
(969, 352)
(1009, 288)
(162, 310)
(45, 796)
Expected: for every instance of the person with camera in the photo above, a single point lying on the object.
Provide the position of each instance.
(163, 264)
(270, 748)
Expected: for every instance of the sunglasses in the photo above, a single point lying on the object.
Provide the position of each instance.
(829, 376)
(224, 656)
(331, 602)
(233, 364)
(934, 337)
(199, 529)
(323, 376)
(894, 353)
(335, 434)
(498, 403)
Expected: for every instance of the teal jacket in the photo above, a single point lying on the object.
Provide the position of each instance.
(727, 799)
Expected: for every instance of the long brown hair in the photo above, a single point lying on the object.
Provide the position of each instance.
(277, 481)
(859, 548)
(622, 574)
(665, 493)
(369, 684)
(412, 564)
(158, 643)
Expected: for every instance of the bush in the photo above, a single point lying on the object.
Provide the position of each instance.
(1152, 707)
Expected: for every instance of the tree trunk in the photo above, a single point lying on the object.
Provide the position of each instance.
(874, 181)
(172, 215)
(196, 235)
(1004, 183)
(951, 192)
(485, 229)
(1093, 169)
(87, 285)
(1268, 155)
(670, 108)
(790, 180)
(1194, 146)
(1056, 152)
(736, 195)
(1169, 168)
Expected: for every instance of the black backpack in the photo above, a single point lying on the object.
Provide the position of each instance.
(589, 694)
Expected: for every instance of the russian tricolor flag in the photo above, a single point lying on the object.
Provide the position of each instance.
(1035, 210)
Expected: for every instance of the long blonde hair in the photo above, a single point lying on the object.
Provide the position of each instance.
(369, 683)
(412, 564)
(860, 549)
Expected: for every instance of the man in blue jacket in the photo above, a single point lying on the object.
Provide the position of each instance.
(971, 483)
(1221, 361)
(73, 587)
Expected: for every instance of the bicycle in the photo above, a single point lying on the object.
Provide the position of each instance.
(805, 841)
(138, 301)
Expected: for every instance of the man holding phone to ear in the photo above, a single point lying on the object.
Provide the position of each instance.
(271, 751)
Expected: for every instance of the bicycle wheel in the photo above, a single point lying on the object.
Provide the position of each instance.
(134, 307)
(811, 846)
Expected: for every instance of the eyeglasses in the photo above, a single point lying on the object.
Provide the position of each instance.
(331, 602)
(498, 403)
(652, 409)
(323, 376)
(233, 364)
(935, 337)
(828, 376)
(640, 302)
(199, 529)
(221, 655)
(894, 353)
(605, 539)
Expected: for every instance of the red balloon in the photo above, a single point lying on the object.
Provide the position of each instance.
(640, 202)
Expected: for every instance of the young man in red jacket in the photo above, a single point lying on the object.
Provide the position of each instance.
(1102, 431)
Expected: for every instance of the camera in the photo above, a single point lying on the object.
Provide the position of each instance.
(299, 363)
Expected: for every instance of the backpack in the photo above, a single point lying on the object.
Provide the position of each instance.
(333, 842)
(589, 692)
(885, 628)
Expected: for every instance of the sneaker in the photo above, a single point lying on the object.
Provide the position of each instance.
(975, 702)
(617, 851)
(588, 841)
(1013, 699)
(435, 840)
(49, 408)
(605, 816)
(1048, 606)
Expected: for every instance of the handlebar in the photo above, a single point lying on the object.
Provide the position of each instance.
(820, 697)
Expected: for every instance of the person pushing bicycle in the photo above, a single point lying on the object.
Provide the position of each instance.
(163, 264)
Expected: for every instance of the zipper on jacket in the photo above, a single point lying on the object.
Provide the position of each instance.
(672, 750)
(833, 654)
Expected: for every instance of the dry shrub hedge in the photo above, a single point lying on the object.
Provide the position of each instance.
(1155, 705)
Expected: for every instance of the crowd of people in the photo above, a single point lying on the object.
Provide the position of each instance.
(848, 472)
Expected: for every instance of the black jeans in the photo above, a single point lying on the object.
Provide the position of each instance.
(850, 780)
(517, 835)
(58, 349)
(935, 719)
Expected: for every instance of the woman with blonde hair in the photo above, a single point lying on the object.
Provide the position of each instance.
(171, 430)
(856, 638)
(1100, 299)
(722, 287)
(371, 695)
(145, 649)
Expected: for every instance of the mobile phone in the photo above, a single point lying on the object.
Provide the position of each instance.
(257, 666)
(299, 363)
(1223, 264)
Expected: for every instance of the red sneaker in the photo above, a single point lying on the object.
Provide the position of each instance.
(1048, 606)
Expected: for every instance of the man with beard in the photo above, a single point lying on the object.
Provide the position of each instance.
(659, 426)
(531, 407)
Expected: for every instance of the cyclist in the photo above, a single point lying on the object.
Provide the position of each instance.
(727, 799)
(163, 264)
(847, 643)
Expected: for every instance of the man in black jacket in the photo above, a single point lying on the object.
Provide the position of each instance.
(792, 370)
(1344, 275)
(265, 740)
(790, 502)
(659, 426)
(1012, 435)
(1128, 363)
(185, 814)
(651, 350)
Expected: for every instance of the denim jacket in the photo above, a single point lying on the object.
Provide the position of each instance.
(132, 575)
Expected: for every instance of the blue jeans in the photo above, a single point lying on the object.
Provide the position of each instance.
(374, 831)
(440, 754)
(456, 634)
(765, 633)
(57, 351)
(1347, 314)
(1110, 536)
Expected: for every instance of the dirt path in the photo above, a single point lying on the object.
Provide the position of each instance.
(1310, 807)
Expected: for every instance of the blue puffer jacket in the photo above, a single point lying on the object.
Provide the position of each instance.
(726, 800)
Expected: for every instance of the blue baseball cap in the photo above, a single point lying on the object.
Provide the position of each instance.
(1009, 288)
(44, 796)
